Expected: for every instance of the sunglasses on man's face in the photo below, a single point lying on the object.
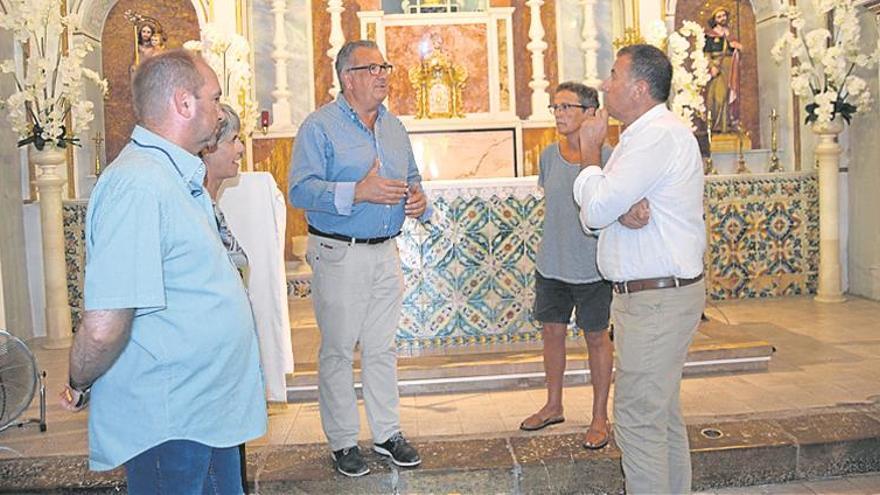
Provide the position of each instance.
(374, 69)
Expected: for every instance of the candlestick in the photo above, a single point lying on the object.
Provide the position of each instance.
(98, 140)
(741, 167)
(708, 165)
(775, 166)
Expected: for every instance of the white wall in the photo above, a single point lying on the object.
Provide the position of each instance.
(863, 158)
(14, 292)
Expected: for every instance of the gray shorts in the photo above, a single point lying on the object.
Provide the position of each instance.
(555, 299)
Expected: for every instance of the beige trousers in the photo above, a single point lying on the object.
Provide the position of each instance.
(357, 291)
(652, 332)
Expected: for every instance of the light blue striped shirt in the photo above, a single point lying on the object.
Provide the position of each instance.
(191, 369)
(332, 152)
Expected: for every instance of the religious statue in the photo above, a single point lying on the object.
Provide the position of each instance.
(149, 36)
(722, 90)
(438, 82)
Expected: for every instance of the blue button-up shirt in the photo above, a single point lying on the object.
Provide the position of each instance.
(191, 369)
(333, 151)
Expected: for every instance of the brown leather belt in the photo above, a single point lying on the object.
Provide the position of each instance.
(653, 283)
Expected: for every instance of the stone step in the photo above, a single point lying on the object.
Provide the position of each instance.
(733, 451)
(717, 348)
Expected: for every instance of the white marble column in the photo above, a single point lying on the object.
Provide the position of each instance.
(537, 45)
(337, 39)
(282, 119)
(828, 155)
(50, 184)
(590, 45)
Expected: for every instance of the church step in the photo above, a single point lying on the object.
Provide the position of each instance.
(717, 348)
(732, 451)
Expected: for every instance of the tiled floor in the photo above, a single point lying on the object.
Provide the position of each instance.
(826, 355)
(865, 484)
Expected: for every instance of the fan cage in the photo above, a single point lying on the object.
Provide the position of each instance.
(14, 355)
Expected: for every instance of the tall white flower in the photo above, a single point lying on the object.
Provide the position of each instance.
(656, 34)
(50, 80)
(229, 55)
(690, 68)
(824, 63)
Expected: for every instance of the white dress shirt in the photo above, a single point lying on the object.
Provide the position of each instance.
(658, 159)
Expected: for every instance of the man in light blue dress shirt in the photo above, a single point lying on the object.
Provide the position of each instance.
(167, 346)
(354, 173)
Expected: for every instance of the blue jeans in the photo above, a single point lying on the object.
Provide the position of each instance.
(185, 467)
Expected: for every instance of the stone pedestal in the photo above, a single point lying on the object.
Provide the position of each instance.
(50, 182)
(828, 158)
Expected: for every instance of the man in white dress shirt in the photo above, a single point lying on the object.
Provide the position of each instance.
(647, 204)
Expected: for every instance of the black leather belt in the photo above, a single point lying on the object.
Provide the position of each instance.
(351, 240)
(653, 283)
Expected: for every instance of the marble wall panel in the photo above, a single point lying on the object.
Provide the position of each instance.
(478, 154)
(743, 26)
(523, 57)
(466, 44)
(180, 24)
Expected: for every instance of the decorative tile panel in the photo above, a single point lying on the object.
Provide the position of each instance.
(469, 274)
(763, 235)
(74, 219)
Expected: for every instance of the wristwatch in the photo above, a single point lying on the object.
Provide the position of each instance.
(84, 395)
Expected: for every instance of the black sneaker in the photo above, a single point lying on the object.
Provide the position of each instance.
(350, 462)
(399, 450)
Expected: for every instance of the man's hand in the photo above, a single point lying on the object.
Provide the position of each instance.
(638, 215)
(376, 189)
(416, 203)
(73, 400)
(592, 134)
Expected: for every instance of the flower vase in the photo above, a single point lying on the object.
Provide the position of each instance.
(828, 160)
(48, 163)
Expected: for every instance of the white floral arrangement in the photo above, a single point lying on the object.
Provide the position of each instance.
(228, 54)
(690, 67)
(49, 80)
(824, 64)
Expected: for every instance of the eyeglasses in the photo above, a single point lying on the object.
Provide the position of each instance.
(565, 107)
(375, 69)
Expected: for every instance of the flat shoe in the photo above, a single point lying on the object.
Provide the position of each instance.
(543, 424)
(601, 443)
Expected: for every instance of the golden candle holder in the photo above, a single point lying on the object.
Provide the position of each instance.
(98, 140)
(775, 166)
(741, 167)
(708, 165)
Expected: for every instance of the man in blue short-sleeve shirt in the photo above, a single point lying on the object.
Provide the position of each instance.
(167, 347)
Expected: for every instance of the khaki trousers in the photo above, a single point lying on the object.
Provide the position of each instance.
(357, 292)
(652, 332)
